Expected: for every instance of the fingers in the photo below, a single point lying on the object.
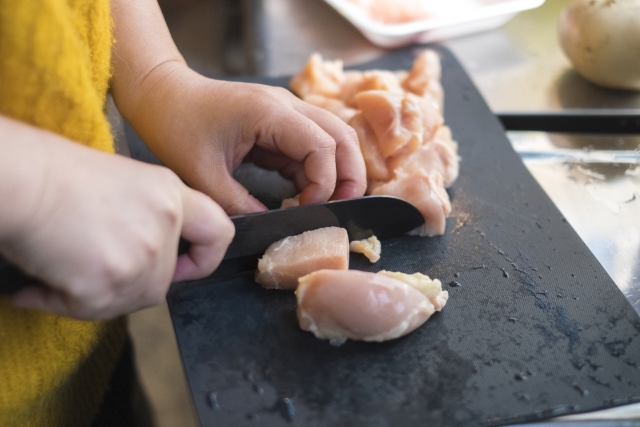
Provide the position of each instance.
(289, 169)
(42, 298)
(302, 140)
(209, 230)
(350, 167)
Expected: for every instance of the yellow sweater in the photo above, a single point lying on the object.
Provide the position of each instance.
(54, 74)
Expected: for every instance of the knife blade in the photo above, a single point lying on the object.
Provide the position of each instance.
(382, 216)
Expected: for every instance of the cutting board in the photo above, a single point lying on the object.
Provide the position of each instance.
(534, 326)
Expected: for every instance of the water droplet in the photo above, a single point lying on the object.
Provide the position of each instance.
(579, 389)
(513, 319)
(456, 275)
(258, 389)
(212, 400)
(501, 252)
(478, 268)
(287, 410)
(521, 376)
(454, 284)
(539, 276)
(504, 273)
(248, 376)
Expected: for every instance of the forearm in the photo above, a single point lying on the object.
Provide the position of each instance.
(143, 57)
(25, 162)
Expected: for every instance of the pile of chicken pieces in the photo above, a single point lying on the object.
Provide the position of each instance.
(408, 151)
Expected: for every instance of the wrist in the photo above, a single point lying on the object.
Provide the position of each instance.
(26, 169)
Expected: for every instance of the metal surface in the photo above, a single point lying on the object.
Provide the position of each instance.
(586, 121)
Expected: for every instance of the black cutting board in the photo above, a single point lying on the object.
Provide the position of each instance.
(535, 329)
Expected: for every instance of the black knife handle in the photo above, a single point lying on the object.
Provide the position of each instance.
(13, 279)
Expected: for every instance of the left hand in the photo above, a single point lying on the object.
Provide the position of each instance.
(203, 128)
(208, 127)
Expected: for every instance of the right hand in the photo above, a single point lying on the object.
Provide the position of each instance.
(102, 232)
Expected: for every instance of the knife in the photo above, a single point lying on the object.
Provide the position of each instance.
(383, 216)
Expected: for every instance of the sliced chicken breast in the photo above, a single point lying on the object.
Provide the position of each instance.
(424, 191)
(292, 257)
(357, 305)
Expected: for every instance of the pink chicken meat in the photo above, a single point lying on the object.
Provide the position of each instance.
(292, 257)
(357, 305)
(408, 151)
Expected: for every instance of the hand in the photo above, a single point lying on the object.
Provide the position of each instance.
(203, 128)
(102, 232)
(206, 128)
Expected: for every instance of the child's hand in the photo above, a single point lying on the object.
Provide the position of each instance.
(203, 128)
(100, 230)
(206, 128)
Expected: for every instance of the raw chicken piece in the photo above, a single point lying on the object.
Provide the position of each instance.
(394, 11)
(424, 191)
(332, 105)
(438, 155)
(432, 289)
(407, 149)
(362, 81)
(357, 305)
(292, 257)
(397, 120)
(319, 77)
(290, 203)
(370, 247)
(424, 78)
(376, 165)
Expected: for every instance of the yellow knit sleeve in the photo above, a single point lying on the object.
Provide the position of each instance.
(54, 74)
(55, 66)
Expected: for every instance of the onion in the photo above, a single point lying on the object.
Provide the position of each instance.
(601, 38)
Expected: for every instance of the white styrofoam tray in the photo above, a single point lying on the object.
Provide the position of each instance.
(450, 18)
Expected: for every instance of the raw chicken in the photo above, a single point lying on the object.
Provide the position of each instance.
(394, 11)
(319, 77)
(362, 81)
(370, 248)
(424, 191)
(357, 305)
(432, 289)
(408, 152)
(290, 203)
(438, 155)
(332, 105)
(396, 119)
(292, 257)
(376, 165)
(424, 78)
